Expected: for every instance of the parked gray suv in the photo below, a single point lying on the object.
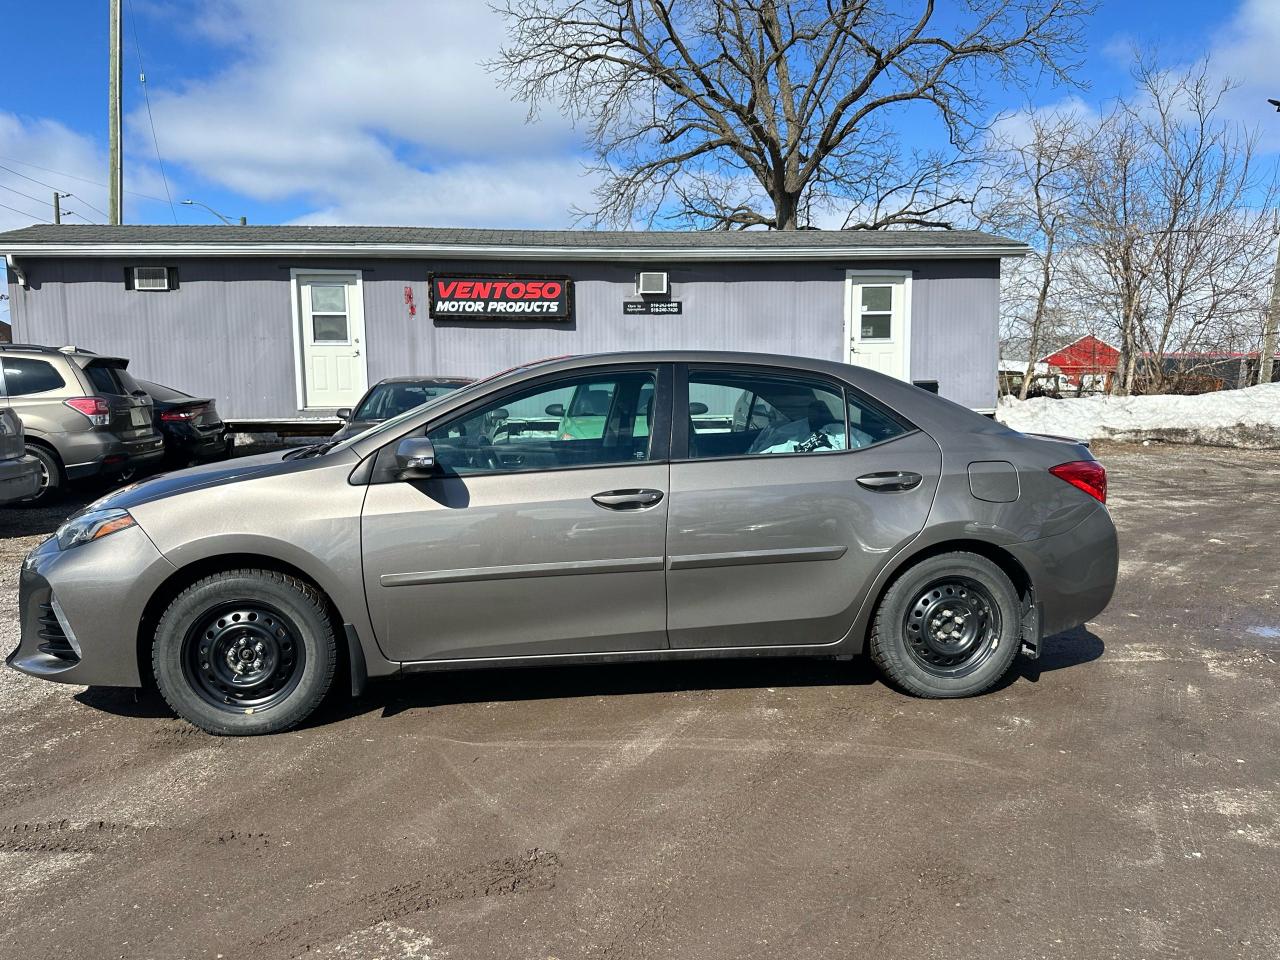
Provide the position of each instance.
(84, 414)
(687, 505)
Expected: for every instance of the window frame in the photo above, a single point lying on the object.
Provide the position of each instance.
(846, 390)
(660, 439)
(131, 278)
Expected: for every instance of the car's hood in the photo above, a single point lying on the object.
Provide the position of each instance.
(208, 475)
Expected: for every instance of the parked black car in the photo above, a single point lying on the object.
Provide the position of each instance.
(193, 432)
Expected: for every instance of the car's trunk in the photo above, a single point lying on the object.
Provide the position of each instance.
(130, 405)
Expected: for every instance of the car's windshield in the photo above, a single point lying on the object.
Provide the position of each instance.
(390, 399)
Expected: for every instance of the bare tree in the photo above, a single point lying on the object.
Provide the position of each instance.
(743, 113)
(1213, 223)
(1032, 181)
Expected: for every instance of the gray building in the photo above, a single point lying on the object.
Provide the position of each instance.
(283, 322)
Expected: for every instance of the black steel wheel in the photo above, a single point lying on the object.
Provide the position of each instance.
(245, 652)
(947, 627)
(952, 626)
(243, 656)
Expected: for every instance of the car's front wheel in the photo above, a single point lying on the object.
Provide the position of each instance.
(245, 652)
(948, 627)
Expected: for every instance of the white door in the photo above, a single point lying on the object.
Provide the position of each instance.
(331, 314)
(878, 325)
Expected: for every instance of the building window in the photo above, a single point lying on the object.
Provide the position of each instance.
(151, 279)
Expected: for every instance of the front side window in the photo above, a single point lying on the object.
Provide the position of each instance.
(733, 414)
(574, 422)
(25, 377)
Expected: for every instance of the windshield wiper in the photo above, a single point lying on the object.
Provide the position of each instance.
(315, 450)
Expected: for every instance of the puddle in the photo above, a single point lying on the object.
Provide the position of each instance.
(1270, 633)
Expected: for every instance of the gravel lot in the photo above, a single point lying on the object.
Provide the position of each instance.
(1119, 799)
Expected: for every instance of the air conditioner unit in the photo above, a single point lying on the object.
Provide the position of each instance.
(651, 283)
(151, 278)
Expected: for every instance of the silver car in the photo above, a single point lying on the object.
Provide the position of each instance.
(685, 505)
(19, 471)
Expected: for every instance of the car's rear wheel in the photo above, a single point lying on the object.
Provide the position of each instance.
(245, 652)
(947, 627)
(50, 475)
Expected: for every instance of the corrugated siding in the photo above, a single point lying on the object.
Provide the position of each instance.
(226, 331)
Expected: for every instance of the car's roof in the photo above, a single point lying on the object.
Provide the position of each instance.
(426, 379)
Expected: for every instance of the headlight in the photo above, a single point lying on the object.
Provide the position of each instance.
(92, 525)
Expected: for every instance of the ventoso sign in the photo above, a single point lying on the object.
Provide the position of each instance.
(480, 297)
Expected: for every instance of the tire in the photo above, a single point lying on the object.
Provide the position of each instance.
(245, 652)
(51, 480)
(948, 627)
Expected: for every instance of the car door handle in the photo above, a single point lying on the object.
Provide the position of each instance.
(890, 481)
(627, 499)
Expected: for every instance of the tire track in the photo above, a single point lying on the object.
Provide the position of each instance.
(534, 870)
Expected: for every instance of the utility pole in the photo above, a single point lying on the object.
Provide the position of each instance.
(115, 178)
(1273, 316)
(1269, 329)
(57, 207)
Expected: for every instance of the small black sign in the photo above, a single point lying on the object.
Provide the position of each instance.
(652, 306)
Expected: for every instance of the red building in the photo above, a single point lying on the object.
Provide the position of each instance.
(1087, 357)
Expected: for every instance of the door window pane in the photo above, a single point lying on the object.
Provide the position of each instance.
(877, 313)
(329, 328)
(576, 422)
(877, 299)
(735, 414)
(24, 377)
(328, 298)
(877, 326)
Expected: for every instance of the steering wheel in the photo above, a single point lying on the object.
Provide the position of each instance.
(484, 449)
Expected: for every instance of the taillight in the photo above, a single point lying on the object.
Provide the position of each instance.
(95, 408)
(1087, 475)
(180, 416)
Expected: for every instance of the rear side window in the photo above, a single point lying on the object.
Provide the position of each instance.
(25, 377)
(111, 379)
(741, 413)
(869, 423)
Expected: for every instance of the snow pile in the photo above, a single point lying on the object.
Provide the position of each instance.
(1228, 418)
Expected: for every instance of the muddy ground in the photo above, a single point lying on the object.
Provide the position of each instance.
(1118, 799)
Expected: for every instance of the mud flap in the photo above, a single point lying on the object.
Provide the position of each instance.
(355, 660)
(1031, 620)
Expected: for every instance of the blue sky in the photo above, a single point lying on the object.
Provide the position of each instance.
(377, 112)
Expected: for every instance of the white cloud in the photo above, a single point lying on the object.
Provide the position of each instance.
(1246, 50)
(371, 112)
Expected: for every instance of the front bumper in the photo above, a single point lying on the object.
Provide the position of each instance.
(1074, 573)
(87, 633)
(19, 479)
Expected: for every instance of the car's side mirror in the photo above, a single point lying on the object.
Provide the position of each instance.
(415, 458)
(697, 409)
(555, 410)
(344, 413)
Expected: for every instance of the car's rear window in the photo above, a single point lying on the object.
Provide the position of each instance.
(111, 378)
(388, 400)
(24, 377)
(165, 394)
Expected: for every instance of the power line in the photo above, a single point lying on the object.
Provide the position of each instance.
(71, 176)
(24, 213)
(21, 194)
(52, 187)
(146, 98)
